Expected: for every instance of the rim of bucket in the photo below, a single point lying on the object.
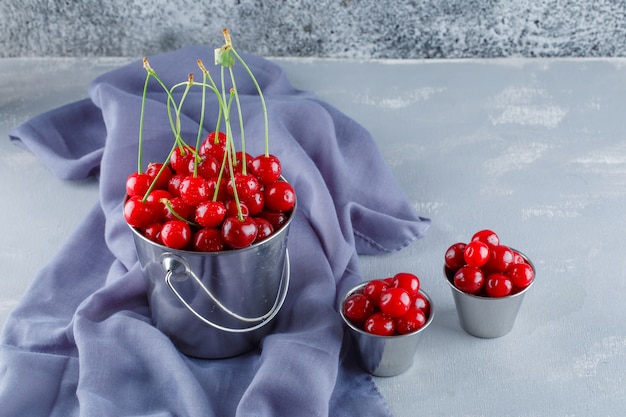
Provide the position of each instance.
(395, 336)
(450, 277)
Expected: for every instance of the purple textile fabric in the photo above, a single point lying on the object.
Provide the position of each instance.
(81, 342)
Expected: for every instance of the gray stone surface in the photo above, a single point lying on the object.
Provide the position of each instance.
(317, 28)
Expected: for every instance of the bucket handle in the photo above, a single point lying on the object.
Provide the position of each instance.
(173, 263)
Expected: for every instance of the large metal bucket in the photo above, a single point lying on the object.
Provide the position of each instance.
(216, 305)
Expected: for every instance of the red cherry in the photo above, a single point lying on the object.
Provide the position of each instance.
(454, 257)
(239, 160)
(214, 145)
(521, 275)
(280, 196)
(210, 213)
(264, 227)
(239, 233)
(176, 234)
(255, 203)
(153, 232)
(138, 213)
(137, 184)
(209, 240)
(207, 168)
(498, 285)
(500, 258)
(164, 174)
(277, 218)
(231, 209)
(180, 159)
(373, 290)
(469, 279)
(246, 185)
(357, 308)
(195, 190)
(411, 321)
(395, 302)
(408, 282)
(486, 236)
(380, 324)
(173, 185)
(476, 253)
(158, 198)
(178, 206)
(420, 301)
(266, 168)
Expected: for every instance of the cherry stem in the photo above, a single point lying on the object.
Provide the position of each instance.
(141, 119)
(243, 142)
(256, 84)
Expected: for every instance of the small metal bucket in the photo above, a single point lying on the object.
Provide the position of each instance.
(486, 317)
(216, 304)
(385, 356)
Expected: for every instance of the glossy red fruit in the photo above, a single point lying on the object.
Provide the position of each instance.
(207, 167)
(158, 198)
(408, 282)
(176, 234)
(237, 233)
(374, 289)
(521, 275)
(159, 173)
(137, 184)
(210, 213)
(500, 258)
(180, 159)
(280, 196)
(138, 213)
(357, 308)
(469, 279)
(486, 236)
(498, 285)
(395, 302)
(420, 301)
(214, 145)
(264, 228)
(246, 185)
(173, 185)
(277, 218)
(476, 253)
(266, 168)
(208, 240)
(231, 208)
(195, 190)
(176, 209)
(411, 321)
(455, 256)
(239, 161)
(255, 203)
(380, 324)
(153, 232)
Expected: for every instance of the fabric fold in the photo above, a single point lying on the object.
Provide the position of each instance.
(94, 334)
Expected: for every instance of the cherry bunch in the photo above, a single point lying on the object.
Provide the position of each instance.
(208, 197)
(486, 267)
(388, 307)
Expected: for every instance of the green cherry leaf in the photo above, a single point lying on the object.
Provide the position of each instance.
(224, 56)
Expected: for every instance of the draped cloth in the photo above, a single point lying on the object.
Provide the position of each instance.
(81, 342)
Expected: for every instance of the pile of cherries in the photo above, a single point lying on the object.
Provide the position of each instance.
(192, 203)
(485, 267)
(388, 307)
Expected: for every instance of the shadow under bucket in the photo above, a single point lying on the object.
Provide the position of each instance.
(216, 304)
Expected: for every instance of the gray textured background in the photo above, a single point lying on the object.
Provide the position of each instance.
(317, 28)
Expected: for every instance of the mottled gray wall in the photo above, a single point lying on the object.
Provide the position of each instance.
(342, 28)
